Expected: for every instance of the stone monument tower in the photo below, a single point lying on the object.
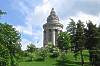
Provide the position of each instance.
(51, 29)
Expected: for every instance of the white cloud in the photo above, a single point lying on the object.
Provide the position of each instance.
(85, 17)
(81, 16)
(35, 16)
(24, 29)
(25, 42)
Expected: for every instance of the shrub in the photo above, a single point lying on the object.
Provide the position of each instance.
(54, 53)
(41, 54)
(61, 60)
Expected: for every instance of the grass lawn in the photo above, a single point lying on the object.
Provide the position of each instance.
(53, 62)
(48, 62)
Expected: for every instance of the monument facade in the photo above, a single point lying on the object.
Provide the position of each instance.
(51, 29)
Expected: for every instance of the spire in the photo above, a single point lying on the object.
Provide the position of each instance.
(52, 12)
(52, 16)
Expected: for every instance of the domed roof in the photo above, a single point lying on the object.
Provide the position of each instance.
(52, 16)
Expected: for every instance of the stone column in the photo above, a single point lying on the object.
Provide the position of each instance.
(44, 40)
(53, 37)
(56, 37)
(46, 36)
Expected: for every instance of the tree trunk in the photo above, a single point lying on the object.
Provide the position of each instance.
(82, 60)
(90, 57)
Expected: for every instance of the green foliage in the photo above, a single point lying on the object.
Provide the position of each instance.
(91, 35)
(52, 51)
(31, 48)
(62, 57)
(41, 54)
(4, 56)
(92, 40)
(80, 37)
(70, 61)
(98, 47)
(77, 37)
(10, 38)
(71, 28)
(24, 53)
(64, 41)
(9, 41)
(2, 13)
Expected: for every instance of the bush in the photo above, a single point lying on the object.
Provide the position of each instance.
(41, 54)
(61, 60)
(54, 53)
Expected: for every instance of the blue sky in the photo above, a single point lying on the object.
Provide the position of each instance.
(28, 16)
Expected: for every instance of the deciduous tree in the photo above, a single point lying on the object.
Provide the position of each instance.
(64, 41)
(10, 39)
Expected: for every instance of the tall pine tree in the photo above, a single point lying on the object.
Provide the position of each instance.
(80, 39)
(91, 34)
(71, 28)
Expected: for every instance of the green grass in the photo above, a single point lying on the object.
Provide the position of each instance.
(48, 62)
(52, 62)
(85, 56)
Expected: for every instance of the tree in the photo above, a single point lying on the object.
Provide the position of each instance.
(10, 39)
(80, 38)
(98, 29)
(64, 41)
(91, 34)
(61, 60)
(71, 28)
(4, 53)
(31, 48)
(41, 54)
(4, 56)
(9, 43)
(52, 51)
(2, 13)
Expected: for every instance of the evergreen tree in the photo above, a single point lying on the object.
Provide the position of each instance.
(71, 28)
(98, 47)
(91, 34)
(80, 39)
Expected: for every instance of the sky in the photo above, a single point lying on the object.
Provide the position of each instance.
(28, 16)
